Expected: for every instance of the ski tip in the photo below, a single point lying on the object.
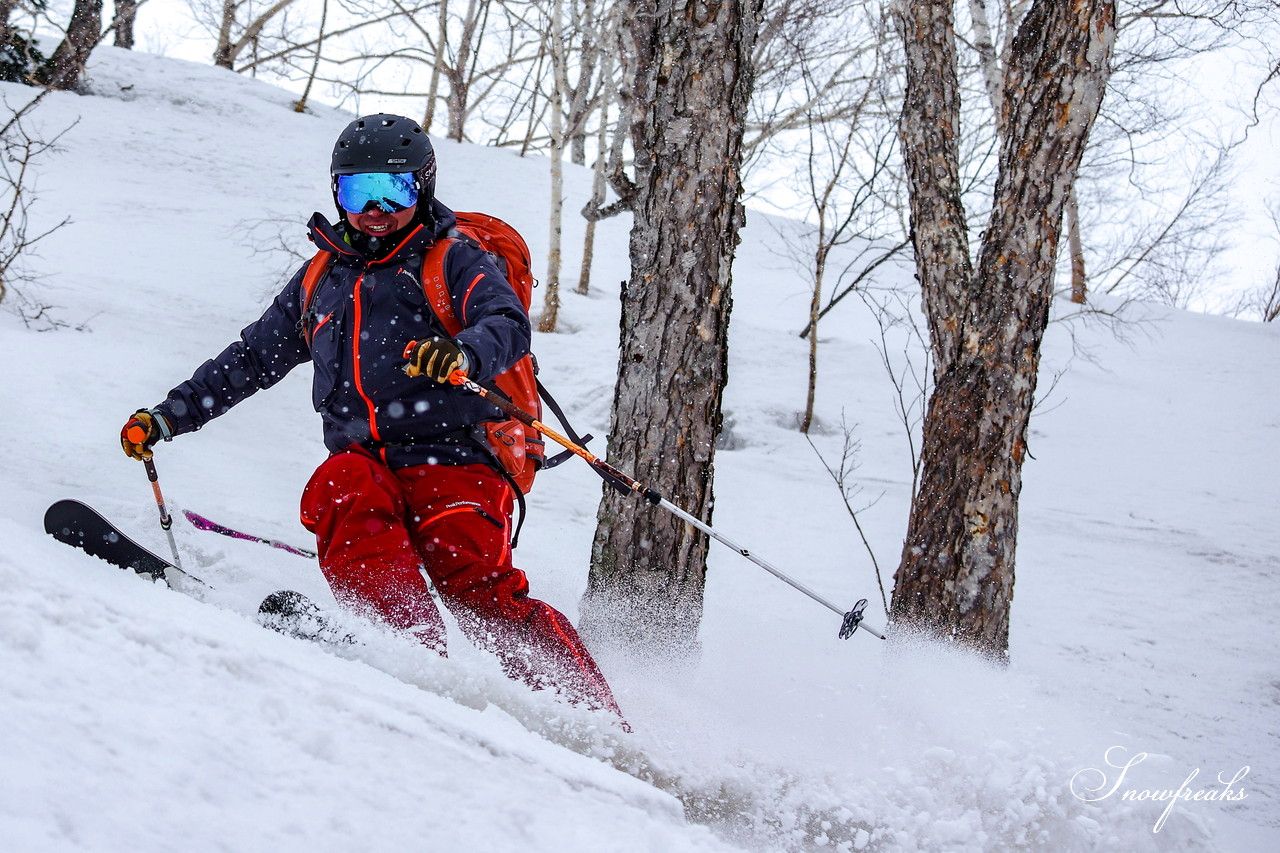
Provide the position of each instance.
(284, 602)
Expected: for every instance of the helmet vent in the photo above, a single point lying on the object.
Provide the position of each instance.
(382, 143)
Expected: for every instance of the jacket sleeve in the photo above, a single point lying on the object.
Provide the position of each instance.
(267, 350)
(495, 325)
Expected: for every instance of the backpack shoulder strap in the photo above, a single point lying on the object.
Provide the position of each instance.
(316, 270)
(436, 288)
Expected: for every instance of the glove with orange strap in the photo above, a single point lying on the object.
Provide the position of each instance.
(436, 359)
(141, 431)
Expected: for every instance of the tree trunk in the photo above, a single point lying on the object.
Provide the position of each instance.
(815, 308)
(551, 304)
(1079, 281)
(459, 73)
(986, 51)
(222, 52)
(6, 11)
(957, 570)
(690, 78)
(437, 66)
(580, 102)
(608, 92)
(126, 13)
(65, 67)
(300, 105)
(597, 190)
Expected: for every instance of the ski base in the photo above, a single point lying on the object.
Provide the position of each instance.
(81, 526)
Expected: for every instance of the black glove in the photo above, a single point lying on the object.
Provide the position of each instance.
(436, 359)
(140, 432)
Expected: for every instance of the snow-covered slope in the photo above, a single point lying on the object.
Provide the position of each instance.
(135, 718)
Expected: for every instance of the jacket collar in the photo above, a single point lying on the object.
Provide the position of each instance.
(414, 241)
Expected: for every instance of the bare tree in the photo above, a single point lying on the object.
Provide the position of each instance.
(560, 94)
(841, 189)
(1268, 302)
(1263, 301)
(599, 182)
(581, 82)
(300, 105)
(84, 31)
(345, 29)
(20, 54)
(126, 14)
(20, 149)
(1164, 257)
(842, 475)
(808, 54)
(240, 24)
(1123, 196)
(986, 323)
(689, 80)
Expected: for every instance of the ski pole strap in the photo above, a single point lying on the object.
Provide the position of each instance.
(564, 455)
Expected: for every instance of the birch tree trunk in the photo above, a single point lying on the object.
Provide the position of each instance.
(690, 75)
(222, 50)
(1079, 280)
(458, 72)
(300, 105)
(437, 66)
(598, 181)
(957, 570)
(551, 300)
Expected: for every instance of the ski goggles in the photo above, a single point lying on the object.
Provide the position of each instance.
(391, 191)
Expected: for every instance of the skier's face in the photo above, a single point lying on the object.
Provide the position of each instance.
(377, 222)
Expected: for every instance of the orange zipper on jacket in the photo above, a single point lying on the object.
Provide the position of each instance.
(355, 346)
(356, 368)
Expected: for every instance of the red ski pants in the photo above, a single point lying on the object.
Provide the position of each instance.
(375, 527)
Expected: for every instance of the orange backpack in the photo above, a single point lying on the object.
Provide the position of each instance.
(519, 449)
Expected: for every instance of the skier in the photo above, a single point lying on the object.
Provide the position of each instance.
(411, 486)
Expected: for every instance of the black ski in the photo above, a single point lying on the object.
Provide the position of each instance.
(81, 526)
(294, 615)
(286, 612)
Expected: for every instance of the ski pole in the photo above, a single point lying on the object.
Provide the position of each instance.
(852, 619)
(166, 520)
(201, 523)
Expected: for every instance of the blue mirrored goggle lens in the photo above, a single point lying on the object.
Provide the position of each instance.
(392, 191)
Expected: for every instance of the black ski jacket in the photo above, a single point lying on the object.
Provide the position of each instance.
(361, 316)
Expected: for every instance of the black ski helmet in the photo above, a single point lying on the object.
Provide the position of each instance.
(386, 143)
